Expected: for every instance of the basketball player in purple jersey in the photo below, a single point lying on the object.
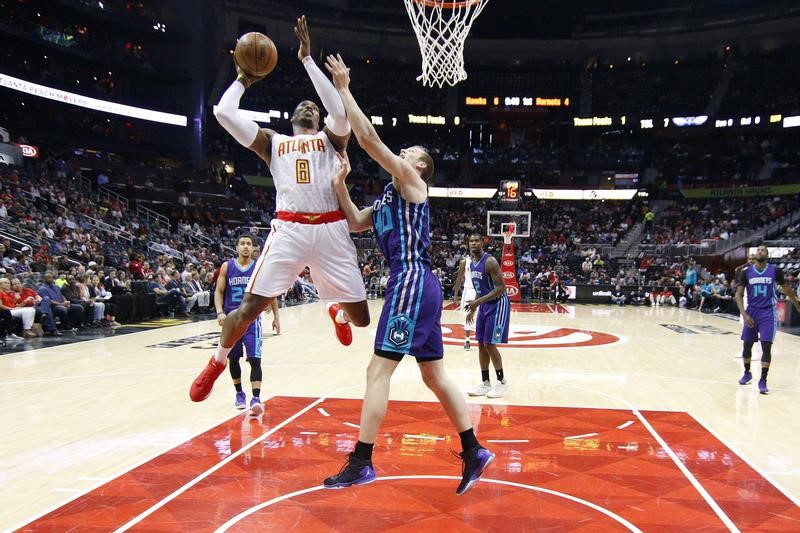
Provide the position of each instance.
(234, 275)
(492, 324)
(761, 281)
(410, 321)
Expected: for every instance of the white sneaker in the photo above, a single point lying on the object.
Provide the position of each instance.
(498, 389)
(481, 389)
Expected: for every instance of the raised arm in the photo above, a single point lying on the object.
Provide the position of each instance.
(358, 220)
(245, 131)
(365, 133)
(337, 128)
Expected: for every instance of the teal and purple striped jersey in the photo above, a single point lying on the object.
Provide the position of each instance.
(402, 230)
(761, 285)
(236, 283)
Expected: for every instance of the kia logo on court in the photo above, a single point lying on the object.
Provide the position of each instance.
(508, 263)
(537, 336)
(508, 275)
(512, 290)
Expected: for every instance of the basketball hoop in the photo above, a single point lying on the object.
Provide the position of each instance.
(441, 29)
(509, 230)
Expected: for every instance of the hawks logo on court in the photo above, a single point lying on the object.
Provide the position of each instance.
(536, 336)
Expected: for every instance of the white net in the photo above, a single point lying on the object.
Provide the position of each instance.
(441, 28)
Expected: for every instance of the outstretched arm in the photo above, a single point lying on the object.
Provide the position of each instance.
(357, 220)
(364, 131)
(245, 131)
(336, 122)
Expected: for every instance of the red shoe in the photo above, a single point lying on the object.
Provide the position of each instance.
(202, 385)
(343, 331)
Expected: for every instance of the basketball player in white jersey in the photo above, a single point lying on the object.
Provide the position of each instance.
(464, 281)
(309, 229)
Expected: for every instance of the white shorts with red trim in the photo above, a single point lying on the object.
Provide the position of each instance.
(326, 249)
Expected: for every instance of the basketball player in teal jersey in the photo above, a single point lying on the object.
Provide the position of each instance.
(234, 275)
(410, 322)
(760, 281)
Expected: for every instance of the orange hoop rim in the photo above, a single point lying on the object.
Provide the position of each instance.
(446, 5)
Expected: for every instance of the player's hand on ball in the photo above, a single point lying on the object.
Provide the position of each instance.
(339, 71)
(246, 79)
(301, 30)
(344, 168)
(748, 320)
(221, 318)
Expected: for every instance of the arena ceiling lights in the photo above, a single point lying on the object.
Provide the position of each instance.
(94, 104)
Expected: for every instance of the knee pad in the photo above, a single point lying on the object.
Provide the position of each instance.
(235, 367)
(766, 352)
(255, 368)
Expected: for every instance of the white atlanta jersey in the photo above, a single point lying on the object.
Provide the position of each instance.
(302, 167)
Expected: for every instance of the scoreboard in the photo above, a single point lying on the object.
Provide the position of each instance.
(510, 191)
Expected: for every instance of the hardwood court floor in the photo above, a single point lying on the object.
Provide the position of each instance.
(80, 417)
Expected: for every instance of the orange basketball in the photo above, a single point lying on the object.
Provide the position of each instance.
(256, 54)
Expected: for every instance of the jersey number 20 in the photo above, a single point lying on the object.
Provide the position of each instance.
(302, 171)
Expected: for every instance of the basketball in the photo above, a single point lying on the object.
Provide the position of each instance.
(256, 54)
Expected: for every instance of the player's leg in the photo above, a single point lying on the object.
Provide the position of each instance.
(334, 265)
(235, 369)
(234, 327)
(501, 384)
(358, 470)
(766, 359)
(499, 335)
(284, 256)
(252, 350)
(476, 458)
(481, 323)
(767, 326)
(749, 338)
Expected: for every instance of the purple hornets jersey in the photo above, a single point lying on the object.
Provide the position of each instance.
(410, 321)
(480, 279)
(402, 230)
(761, 286)
(236, 283)
(492, 324)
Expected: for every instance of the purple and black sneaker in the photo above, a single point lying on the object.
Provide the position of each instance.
(354, 472)
(475, 462)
